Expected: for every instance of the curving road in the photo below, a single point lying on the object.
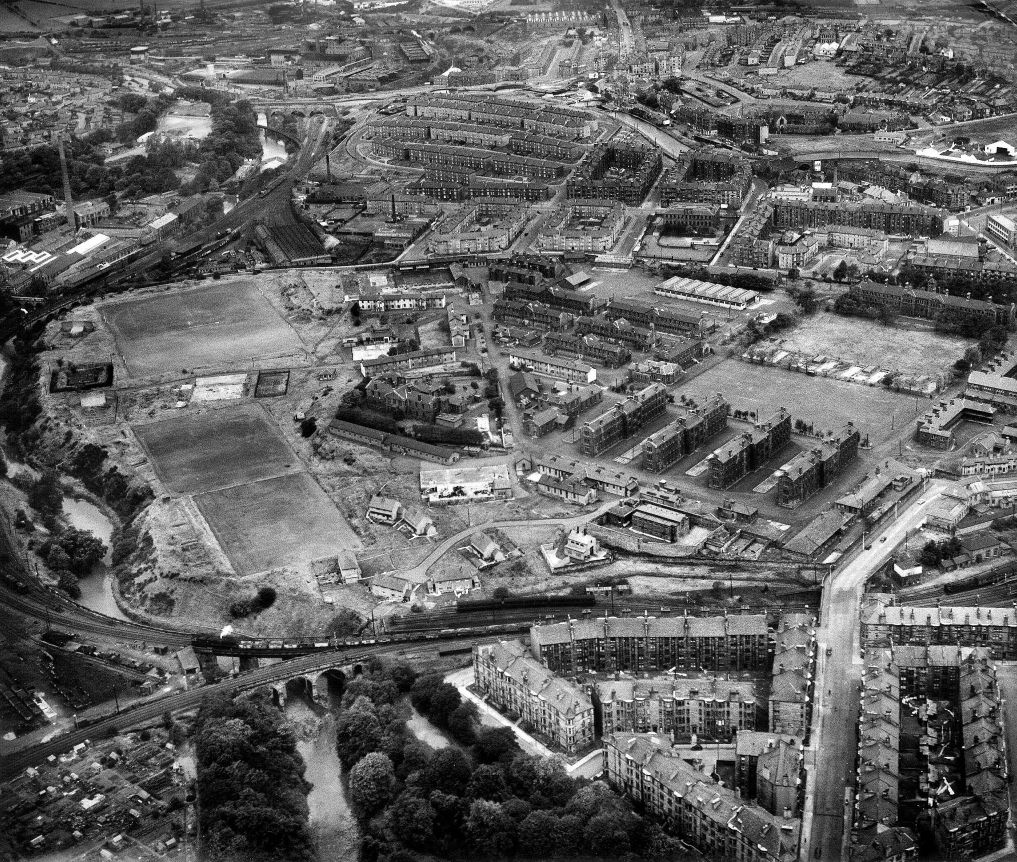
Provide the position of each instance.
(418, 573)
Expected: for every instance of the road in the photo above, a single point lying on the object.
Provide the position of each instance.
(418, 573)
(756, 193)
(830, 757)
(668, 145)
(626, 38)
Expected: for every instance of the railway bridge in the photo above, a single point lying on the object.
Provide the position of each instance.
(321, 685)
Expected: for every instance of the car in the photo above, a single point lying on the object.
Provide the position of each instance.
(882, 538)
(829, 650)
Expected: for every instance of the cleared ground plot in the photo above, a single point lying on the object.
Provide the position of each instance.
(288, 520)
(210, 327)
(826, 403)
(235, 445)
(868, 342)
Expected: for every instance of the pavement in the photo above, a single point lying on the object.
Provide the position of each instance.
(830, 756)
(589, 766)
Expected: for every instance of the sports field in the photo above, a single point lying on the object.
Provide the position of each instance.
(235, 445)
(826, 403)
(206, 328)
(288, 520)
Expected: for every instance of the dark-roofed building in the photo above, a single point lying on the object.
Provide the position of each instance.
(814, 469)
(623, 419)
(515, 682)
(708, 815)
(709, 707)
(729, 642)
(749, 451)
(930, 304)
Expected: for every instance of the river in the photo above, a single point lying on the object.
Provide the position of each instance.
(273, 152)
(96, 588)
(333, 826)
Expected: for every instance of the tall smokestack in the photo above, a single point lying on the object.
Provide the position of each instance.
(328, 166)
(393, 208)
(72, 218)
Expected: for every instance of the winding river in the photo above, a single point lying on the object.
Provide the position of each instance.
(96, 588)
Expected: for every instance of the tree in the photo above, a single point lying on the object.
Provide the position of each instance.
(538, 834)
(490, 832)
(462, 721)
(416, 756)
(82, 549)
(449, 771)
(840, 271)
(412, 820)
(403, 676)
(488, 782)
(371, 782)
(495, 744)
(68, 582)
(47, 498)
(607, 834)
(358, 733)
(251, 782)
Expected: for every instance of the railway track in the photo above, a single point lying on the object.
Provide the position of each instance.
(13, 763)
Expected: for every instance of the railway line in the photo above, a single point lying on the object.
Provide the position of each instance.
(13, 763)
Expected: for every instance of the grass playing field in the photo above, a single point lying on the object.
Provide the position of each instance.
(235, 445)
(288, 520)
(208, 328)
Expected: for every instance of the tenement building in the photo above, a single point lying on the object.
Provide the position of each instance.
(931, 719)
(708, 707)
(895, 219)
(930, 304)
(623, 419)
(640, 644)
(710, 816)
(618, 173)
(792, 675)
(516, 682)
(937, 425)
(707, 176)
(815, 468)
(994, 628)
(583, 225)
(749, 451)
(996, 384)
(694, 427)
(660, 318)
(589, 348)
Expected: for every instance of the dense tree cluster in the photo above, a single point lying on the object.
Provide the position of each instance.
(251, 787)
(449, 436)
(70, 554)
(260, 601)
(234, 138)
(145, 115)
(485, 801)
(933, 553)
